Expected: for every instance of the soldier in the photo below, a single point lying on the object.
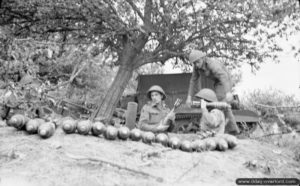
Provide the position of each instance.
(213, 120)
(155, 116)
(216, 71)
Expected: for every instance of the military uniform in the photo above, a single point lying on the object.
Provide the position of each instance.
(216, 117)
(213, 121)
(213, 70)
(153, 115)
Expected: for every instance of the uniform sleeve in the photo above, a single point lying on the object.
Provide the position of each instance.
(207, 119)
(220, 73)
(144, 121)
(194, 81)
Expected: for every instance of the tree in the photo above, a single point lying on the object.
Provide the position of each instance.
(134, 33)
(152, 68)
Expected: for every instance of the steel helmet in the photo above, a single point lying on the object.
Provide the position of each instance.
(207, 94)
(195, 55)
(156, 88)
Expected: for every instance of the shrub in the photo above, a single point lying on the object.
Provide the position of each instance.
(274, 106)
(269, 97)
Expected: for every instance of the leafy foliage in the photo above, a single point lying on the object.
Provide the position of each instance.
(131, 34)
(269, 97)
(167, 28)
(274, 106)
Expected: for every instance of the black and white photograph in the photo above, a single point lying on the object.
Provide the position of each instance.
(149, 92)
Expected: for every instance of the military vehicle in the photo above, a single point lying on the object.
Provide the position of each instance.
(176, 86)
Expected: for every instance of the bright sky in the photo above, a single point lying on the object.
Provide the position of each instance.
(284, 76)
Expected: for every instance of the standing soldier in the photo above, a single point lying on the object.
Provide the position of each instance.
(155, 116)
(202, 65)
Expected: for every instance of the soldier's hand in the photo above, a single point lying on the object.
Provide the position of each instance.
(171, 116)
(188, 101)
(162, 127)
(228, 97)
(203, 103)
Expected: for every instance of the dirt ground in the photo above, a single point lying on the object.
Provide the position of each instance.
(28, 160)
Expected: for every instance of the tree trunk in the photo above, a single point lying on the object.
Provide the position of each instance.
(115, 91)
(127, 60)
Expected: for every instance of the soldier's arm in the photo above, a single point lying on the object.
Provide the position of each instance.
(147, 127)
(221, 74)
(194, 81)
(207, 119)
(159, 127)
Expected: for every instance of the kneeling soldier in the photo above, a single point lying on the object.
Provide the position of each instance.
(213, 119)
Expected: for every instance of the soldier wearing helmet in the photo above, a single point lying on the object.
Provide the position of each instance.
(216, 71)
(212, 69)
(213, 120)
(155, 116)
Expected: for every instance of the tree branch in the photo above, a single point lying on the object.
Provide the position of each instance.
(109, 3)
(136, 9)
(200, 33)
(160, 56)
(148, 11)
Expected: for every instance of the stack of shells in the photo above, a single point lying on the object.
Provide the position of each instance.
(85, 127)
(43, 128)
(46, 129)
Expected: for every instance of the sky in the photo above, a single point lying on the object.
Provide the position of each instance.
(284, 76)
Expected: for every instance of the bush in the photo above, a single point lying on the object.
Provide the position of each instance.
(272, 103)
(293, 119)
(270, 97)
